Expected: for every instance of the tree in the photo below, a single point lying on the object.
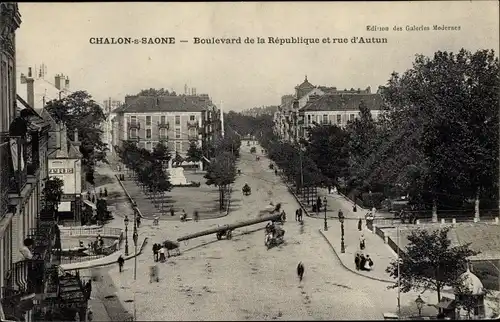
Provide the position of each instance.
(156, 92)
(221, 172)
(80, 112)
(161, 153)
(449, 104)
(327, 148)
(52, 193)
(430, 263)
(194, 152)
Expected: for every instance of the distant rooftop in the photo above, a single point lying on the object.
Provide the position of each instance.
(183, 103)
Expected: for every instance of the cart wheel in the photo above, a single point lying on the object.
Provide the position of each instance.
(229, 235)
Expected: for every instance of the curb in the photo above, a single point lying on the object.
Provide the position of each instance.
(144, 243)
(349, 269)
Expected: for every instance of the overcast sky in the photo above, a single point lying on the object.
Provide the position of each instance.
(241, 76)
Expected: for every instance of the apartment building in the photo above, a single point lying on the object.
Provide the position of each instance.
(174, 120)
(312, 104)
(109, 106)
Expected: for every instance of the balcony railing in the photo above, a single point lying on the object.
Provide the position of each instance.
(192, 124)
(163, 125)
(18, 158)
(134, 125)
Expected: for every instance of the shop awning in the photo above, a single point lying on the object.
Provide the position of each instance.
(64, 206)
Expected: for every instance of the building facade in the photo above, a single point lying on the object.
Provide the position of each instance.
(109, 106)
(311, 105)
(174, 120)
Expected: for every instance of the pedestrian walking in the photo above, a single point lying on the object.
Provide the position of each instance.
(360, 224)
(362, 242)
(138, 221)
(162, 254)
(300, 271)
(297, 215)
(300, 214)
(357, 261)
(88, 288)
(105, 192)
(155, 252)
(121, 261)
(196, 215)
(172, 212)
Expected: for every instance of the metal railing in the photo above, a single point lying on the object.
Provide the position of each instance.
(83, 231)
(165, 125)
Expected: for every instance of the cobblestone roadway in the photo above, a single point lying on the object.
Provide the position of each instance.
(240, 279)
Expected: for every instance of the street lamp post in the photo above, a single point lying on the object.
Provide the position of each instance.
(126, 234)
(420, 304)
(342, 245)
(135, 237)
(326, 224)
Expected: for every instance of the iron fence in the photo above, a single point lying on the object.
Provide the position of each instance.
(84, 231)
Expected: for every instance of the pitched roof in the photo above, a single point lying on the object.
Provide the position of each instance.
(141, 104)
(73, 151)
(35, 116)
(327, 90)
(342, 102)
(44, 91)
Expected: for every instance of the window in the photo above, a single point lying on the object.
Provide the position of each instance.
(177, 133)
(192, 133)
(192, 117)
(163, 119)
(339, 119)
(149, 146)
(325, 118)
(163, 133)
(148, 120)
(352, 117)
(178, 147)
(148, 134)
(177, 120)
(309, 119)
(133, 133)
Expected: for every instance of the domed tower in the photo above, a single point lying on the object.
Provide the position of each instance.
(471, 294)
(303, 89)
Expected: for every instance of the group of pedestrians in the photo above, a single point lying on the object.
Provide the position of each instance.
(159, 253)
(363, 262)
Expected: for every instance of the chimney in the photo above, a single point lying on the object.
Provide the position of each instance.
(58, 81)
(75, 138)
(66, 83)
(30, 88)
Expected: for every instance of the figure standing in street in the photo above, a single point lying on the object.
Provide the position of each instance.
(172, 212)
(360, 224)
(196, 215)
(162, 254)
(121, 261)
(357, 261)
(155, 252)
(105, 192)
(362, 242)
(138, 221)
(297, 215)
(300, 271)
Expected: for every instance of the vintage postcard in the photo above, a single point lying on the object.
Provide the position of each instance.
(249, 160)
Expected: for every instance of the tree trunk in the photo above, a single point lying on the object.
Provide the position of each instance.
(438, 291)
(476, 205)
(434, 211)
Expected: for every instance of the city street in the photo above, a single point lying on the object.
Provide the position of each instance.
(240, 279)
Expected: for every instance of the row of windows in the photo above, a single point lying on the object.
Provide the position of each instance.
(162, 133)
(325, 118)
(177, 146)
(163, 119)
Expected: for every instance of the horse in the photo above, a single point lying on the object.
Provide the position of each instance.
(300, 271)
